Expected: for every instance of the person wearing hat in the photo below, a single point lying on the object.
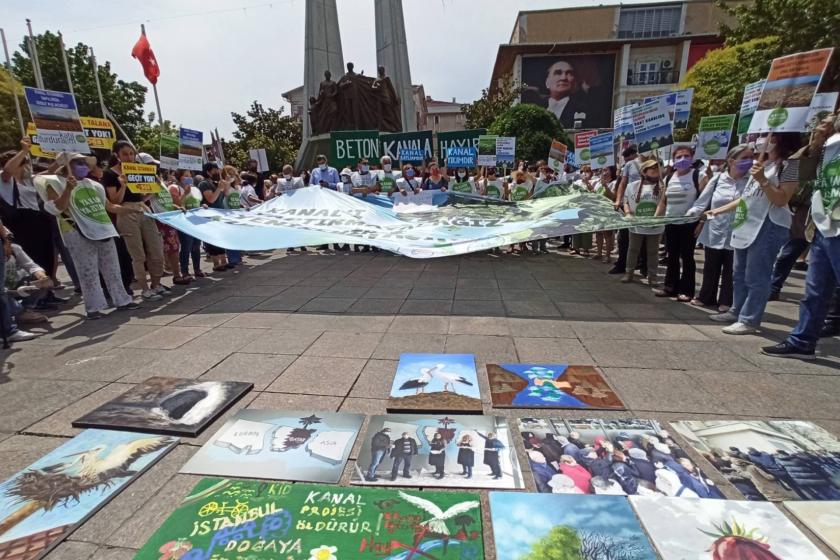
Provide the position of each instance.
(644, 198)
(214, 189)
(82, 208)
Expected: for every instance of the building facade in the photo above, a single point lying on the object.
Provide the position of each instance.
(582, 63)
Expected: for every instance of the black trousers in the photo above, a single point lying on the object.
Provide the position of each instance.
(623, 246)
(32, 232)
(681, 268)
(717, 277)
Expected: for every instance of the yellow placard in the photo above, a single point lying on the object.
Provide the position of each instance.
(141, 178)
(100, 133)
(35, 148)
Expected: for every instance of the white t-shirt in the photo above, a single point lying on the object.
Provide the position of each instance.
(285, 186)
(245, 193)
(645, 207)
(631, 170)
(27, 194)
(405, 184)
(680, 194)
(754, 208)
(363, 179)
(721, 190)
(387, 180)
(87, 207)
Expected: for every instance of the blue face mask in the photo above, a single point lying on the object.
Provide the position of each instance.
(743, 165)
(409, 173)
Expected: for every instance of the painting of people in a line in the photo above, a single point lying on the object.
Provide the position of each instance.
(435, 382)
(456, 451)
(775, 461)
(42, 504)
(693, 529)
(601, 456)
(547, 526)
(550, 386)
(280, 445)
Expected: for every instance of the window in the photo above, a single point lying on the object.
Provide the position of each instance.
(647, 73)
(643, 23)
(437, 119)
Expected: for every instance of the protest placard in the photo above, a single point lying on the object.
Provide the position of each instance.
(391, 144)
(713, 136)
(487, 150)
(169, 144)
(752, 92)
(261, 158)
(788, 91)
(683, 108)
(461, 138)
(141, 178)
(822, 105)
(56, 120)
(669, 99)
(100, 133)
(652, 125)
(582, 146)
(601, 151)
(190, 149)
(413, 155)
(34, 147)
(623, 135)
(347, 147)
(557, 155)
(461, 157)
(505, 151)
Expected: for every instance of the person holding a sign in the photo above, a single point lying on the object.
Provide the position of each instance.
(644, 198)
(138, 230)
(760, 227)
(82, 208)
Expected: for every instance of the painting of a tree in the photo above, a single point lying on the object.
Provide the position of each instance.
(561, 543)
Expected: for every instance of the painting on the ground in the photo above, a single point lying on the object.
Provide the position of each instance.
(166, 405)
(776, 461)
(821, 518)
(435, 382)
(721, 530)
(539, 526)
(550, 386)
(279, 445)
(446, 451)
(42, 504)
(259, 520)
(602, 456)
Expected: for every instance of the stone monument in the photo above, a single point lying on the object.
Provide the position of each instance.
(322, 51)
(392, 54)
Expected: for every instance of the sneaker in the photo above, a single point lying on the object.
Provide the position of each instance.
(94, 315)
(725, 317)
(616, 270)
(29, 317)
(128, 307)
(739, 328)
(787, 350)
(151, 295)
(162, 290)
(52, 298)
(20, 336)
(830, 328)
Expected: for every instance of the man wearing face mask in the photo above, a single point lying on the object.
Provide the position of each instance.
(214, 189)
(818, 165)
(323, 174)
(364, 183)
(386, 177)
(286, 183)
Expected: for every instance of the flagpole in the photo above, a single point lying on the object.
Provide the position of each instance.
(33, 56)
(96, 80)
(66, 64)
(154, 88)
(14, 84)
(110, 116)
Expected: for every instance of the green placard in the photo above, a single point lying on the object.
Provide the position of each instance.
(390, 144)
(233, 519)
(458, 138)
(347, 147)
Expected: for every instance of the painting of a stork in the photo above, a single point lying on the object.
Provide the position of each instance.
(66, 486)
(431, 382)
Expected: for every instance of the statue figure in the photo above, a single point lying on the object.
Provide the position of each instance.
(390, 117)
(323, 111)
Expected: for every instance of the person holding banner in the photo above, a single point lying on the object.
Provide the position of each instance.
(231, 201)
(386, 177)
(582, 242)
(435, 180)
(138, 230)
(187, 196)
(408, 182)
(463, 182)
(81, 206)
(645, 198)
(759, 229)
(491, 185)
(604, 240)
(323, 174)
(213, 190)
(630, 172)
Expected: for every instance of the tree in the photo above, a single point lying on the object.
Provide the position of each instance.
(259, 127)
(561, 543)
(10, 129)
(124, 100)
(719, 77)
(147, 138)
(482, 112)
(804, 24)
(534, 128)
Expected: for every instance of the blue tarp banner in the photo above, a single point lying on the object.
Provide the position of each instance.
(316, 216)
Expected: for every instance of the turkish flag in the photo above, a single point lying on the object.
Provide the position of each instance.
(142, 51)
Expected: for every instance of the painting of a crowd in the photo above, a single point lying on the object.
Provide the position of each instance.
(618, 457)
(775, 461)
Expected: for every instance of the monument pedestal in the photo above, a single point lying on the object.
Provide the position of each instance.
(311, 147)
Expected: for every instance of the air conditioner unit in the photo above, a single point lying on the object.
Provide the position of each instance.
(666, 64)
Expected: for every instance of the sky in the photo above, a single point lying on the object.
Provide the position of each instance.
(217, 56)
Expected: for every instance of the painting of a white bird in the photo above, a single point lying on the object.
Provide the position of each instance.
(426, 376)
(91, 468)
(437, 523)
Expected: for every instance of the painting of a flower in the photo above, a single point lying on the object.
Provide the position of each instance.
(323, 552)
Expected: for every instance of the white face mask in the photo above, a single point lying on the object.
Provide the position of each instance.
(461, 175)
(287, 177)
(715, 168)
(762, 142)
(364, 168)
(386, 167)
(345, 179)
(322, 166)
(587, 176)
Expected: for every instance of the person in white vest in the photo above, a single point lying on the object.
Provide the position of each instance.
(81, 206)
(819, 167)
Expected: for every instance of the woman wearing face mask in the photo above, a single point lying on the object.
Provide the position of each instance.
(493, 186)
(463, 182)
(163, 201)
(582, 242)
(644, 198)
(81, 206)
(408, 182)
(436, 180)
(232, 201)
(604, 240)
(186, 195)
(715, 235)
(759, 229)
(681, 191)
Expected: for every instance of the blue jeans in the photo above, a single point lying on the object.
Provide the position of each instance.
(785, 261)
(406, 465)
(376, 457)
(190, 248)
(11, 307)
(823, 276)
(234, 257)
(752, 271)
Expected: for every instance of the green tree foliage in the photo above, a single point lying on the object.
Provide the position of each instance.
(561, 543)
(147, 138)
(124, 99)
(10, 129)
(534, 128)
(804, 24)
(482, 112)
(719, 77)
(259, 127)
